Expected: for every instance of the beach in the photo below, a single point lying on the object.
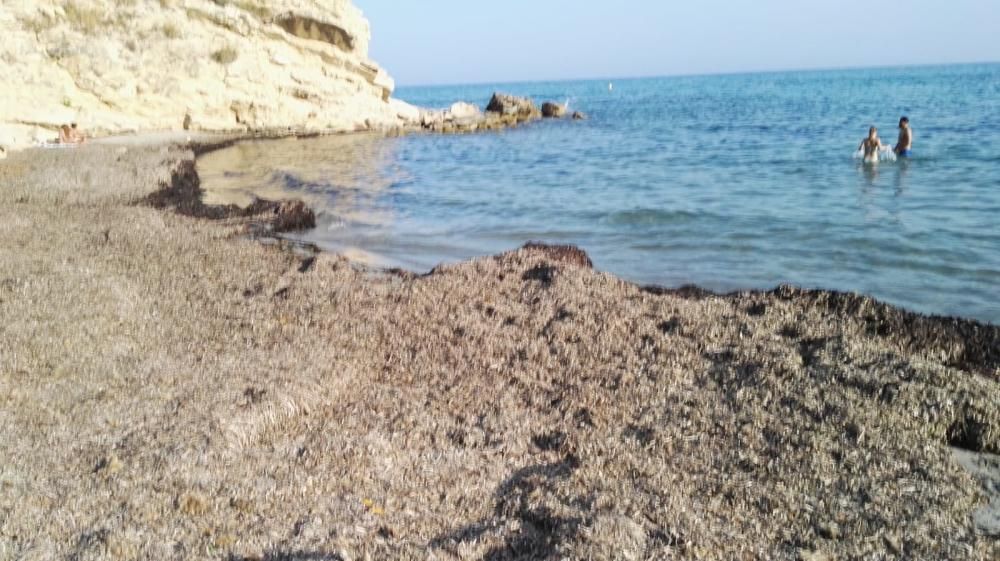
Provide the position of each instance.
(178, 382)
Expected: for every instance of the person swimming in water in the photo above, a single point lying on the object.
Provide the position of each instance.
(904, 144)
(871, 146)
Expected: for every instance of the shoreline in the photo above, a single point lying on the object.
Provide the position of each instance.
(202, 394)
(193, 193)
(388, 255)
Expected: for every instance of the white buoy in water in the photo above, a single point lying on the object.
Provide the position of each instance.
(611, 87)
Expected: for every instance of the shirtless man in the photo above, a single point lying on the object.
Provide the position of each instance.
(78, 135)
(69, 134)
(905, 142)
(871, 146)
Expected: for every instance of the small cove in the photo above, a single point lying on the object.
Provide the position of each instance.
(728, 182)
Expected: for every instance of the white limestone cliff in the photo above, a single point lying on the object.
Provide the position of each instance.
(117, 66)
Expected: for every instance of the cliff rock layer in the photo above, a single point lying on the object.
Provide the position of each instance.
(216, 65)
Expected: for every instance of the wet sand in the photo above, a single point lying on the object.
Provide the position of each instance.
(172, 388)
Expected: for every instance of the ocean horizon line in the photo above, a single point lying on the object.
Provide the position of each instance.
(505, 82)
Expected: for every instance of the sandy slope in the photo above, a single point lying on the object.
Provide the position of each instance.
(172, 390)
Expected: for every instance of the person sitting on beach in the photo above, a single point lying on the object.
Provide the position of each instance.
(871, 146)
(70, 134)
(65, 133)
(905, 142)
(76, 134)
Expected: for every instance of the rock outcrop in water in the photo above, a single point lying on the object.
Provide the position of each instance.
(212, 65)
(509, 105)
(552, 110)
(503, 111)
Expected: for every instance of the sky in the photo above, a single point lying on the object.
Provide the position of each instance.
(461, 42)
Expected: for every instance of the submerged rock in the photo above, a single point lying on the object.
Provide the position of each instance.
(184, 194)
(293, 215)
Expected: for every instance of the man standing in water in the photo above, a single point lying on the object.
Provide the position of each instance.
(905, 142)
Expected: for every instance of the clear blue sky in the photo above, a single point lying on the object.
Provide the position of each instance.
(453, 41)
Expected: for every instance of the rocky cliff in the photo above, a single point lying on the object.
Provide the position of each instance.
(214, 65)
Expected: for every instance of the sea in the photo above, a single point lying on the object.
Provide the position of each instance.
(728, 182)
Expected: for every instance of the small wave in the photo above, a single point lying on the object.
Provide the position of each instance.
(648, 216)
(884, 155)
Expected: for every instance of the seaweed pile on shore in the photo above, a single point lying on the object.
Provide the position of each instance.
(171, 389)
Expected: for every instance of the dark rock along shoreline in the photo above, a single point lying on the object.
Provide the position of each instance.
(520, 406)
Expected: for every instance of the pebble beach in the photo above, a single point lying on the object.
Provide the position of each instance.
(178, 382)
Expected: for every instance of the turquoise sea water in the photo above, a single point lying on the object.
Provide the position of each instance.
(728, 182)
